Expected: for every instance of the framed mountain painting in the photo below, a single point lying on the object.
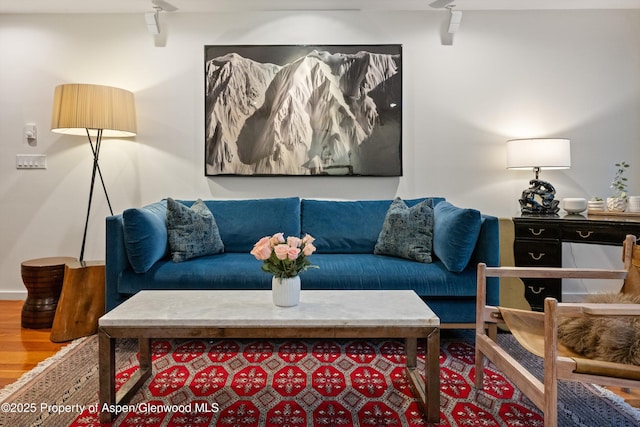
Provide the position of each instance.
(303, 110)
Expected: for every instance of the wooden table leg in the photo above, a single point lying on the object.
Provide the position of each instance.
(411, 345)
(131, 387)
(107, 374)
(109, 399)
(432, 378)
(428, 390)
(144, 345)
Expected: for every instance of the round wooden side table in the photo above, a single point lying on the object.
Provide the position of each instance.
(43, 279)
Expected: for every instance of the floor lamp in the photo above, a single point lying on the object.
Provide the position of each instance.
(95, 111)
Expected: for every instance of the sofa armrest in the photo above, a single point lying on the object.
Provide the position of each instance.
(488, 251)
(116, 260)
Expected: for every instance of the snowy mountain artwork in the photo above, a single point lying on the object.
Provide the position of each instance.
(303, 110)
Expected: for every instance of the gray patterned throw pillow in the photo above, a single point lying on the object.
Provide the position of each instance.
(407, 232)
(192, 232)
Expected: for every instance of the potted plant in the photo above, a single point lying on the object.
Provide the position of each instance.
(596, 204)
(618, 200)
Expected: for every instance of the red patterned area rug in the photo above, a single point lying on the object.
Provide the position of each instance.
(300, 383)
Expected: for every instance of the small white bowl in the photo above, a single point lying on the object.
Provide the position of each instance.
(574, 204)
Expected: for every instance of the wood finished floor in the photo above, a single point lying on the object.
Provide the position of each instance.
(22, 349)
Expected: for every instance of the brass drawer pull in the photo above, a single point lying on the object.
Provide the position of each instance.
(536, 233)
(536, 257)
(533, 289)
(584, 235)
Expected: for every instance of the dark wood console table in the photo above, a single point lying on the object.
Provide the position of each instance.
(538, 243)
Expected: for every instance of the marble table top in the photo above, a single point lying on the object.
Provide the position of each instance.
(191, 308)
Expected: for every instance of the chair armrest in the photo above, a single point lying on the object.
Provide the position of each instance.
(599, 309)
(555, 272)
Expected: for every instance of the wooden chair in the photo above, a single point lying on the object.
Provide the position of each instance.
(538, 333)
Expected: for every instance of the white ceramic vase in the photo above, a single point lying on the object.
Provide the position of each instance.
(633, 203)
(286, 292)
(616, 204)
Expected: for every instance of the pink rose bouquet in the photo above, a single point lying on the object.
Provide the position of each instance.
(284, 257)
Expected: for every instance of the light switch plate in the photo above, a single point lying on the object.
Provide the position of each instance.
(31, 161)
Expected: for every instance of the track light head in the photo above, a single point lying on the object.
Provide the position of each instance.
(151, 18)
(454, 21)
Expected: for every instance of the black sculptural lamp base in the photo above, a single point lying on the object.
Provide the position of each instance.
(539, 199)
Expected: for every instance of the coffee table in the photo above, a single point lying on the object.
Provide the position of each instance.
(252, 314)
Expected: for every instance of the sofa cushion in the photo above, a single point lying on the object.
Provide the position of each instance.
(407, 232)
(145, 235)
(455, 233)
(243, 222)
(346, 226)
(192, 231)
(336, 272)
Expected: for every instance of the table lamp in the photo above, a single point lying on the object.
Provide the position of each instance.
(94, 111)
(538, 154)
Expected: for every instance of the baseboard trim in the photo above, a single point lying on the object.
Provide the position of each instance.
(13, 295)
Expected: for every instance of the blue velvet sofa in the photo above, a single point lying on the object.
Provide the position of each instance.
(346, 232)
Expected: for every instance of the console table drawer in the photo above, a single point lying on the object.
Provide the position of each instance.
(594, 234)
(536, 230)
(536, 290)
(531, 253)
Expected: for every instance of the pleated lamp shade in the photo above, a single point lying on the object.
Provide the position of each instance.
(78, 107)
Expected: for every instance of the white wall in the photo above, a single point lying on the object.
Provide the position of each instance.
(573, 74)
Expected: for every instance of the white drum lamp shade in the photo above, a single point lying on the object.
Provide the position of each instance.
(538, 154)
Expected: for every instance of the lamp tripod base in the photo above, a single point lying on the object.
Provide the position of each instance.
(539, 199)
(95, 149)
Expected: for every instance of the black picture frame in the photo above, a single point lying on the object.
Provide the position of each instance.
(303, 110)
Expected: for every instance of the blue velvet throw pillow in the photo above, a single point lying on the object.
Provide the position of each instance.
(192, 231)
(407, 232)
(145, 235)
(455, 234)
